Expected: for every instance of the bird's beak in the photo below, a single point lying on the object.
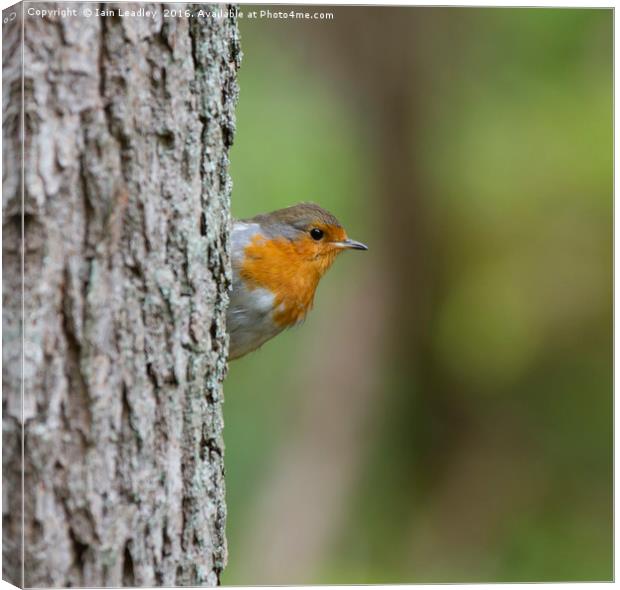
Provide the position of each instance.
(351, 244)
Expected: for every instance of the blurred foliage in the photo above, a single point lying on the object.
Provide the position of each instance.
(484, 453)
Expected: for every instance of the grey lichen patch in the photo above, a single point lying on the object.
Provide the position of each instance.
(127, 246)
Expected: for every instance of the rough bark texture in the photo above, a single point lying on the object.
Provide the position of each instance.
(128, 122)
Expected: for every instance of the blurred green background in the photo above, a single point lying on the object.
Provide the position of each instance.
(445, 412)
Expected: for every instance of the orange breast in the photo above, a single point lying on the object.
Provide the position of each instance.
(290, 270)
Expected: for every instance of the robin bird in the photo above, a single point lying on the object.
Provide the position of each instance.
(278, 260)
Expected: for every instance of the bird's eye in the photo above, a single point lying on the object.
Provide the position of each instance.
(316, 233)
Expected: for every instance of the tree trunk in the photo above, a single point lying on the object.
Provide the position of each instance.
(124, 221)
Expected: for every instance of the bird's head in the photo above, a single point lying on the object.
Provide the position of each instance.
(316, 236)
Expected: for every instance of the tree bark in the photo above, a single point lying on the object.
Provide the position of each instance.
(124, 224)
